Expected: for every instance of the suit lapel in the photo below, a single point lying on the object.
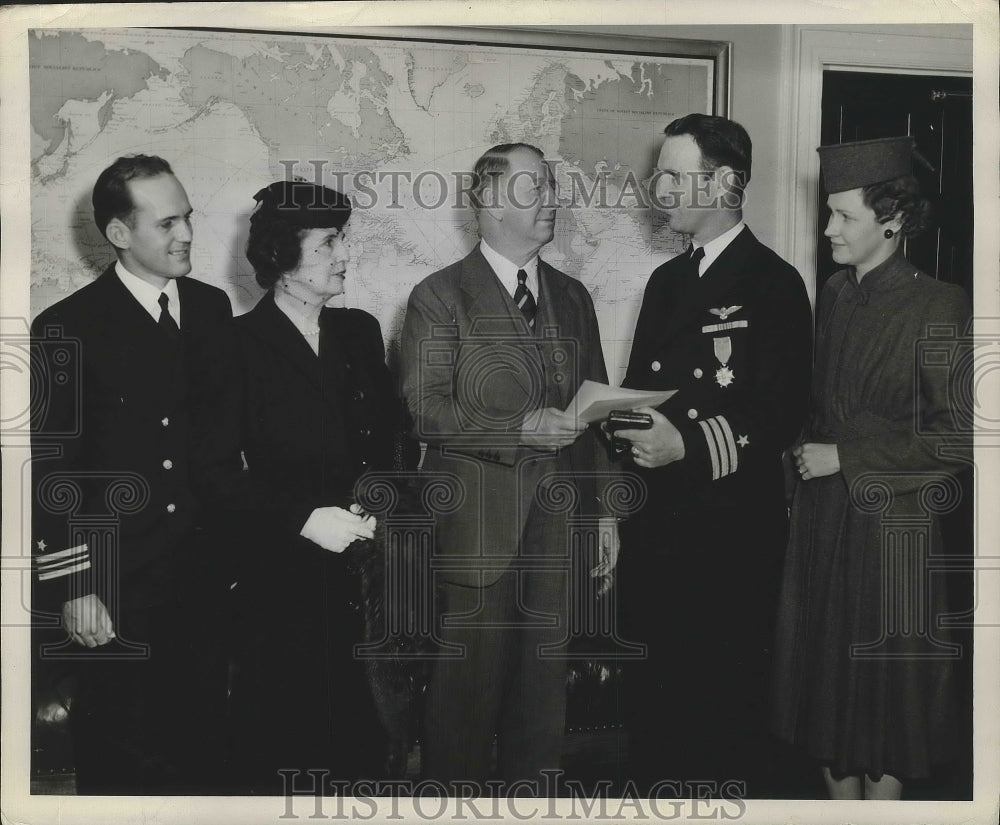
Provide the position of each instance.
(551, 293)
(273, 327)
(491, 311)
(340, 356)
(194, 318)
(555, 316)
(486, 300)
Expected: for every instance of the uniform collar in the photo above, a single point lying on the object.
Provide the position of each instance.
(715, 247)
(148, 295)
(889, 274)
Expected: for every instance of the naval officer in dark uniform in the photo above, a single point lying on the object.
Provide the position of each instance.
(117, 531)
(728, 325)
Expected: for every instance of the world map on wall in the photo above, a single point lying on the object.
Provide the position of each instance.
(396, 124)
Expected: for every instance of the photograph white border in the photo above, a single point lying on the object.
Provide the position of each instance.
(802, 20)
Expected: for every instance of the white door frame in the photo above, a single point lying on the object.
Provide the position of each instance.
(815, 49)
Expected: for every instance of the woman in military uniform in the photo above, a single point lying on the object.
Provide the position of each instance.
(312, 410)
(855, 684)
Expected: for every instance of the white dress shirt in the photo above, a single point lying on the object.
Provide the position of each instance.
(507, 272)
(148, 295)
(715, 247)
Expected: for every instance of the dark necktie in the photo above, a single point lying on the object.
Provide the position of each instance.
(167, 322)
(695, 256)
(524, 299)
(692, 259)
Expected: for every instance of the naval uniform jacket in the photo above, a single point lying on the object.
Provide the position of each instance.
(700, 562)
(113, 510)
(737, 347)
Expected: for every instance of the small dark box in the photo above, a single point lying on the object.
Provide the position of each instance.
(625, 420)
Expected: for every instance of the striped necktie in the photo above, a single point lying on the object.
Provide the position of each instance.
(524, 299)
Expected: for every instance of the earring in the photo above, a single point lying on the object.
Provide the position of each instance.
(889, 233)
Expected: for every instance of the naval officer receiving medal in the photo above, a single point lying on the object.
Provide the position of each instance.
(728, 325)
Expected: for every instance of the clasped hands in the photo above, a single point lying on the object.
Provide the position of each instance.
(335, 529)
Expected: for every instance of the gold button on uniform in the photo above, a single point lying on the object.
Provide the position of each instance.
(168, 464)
(165, 422)
(655, 366)
(171, 508)
(692, 413)
(697, 372)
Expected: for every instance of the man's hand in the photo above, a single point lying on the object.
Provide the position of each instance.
(335, 529)
(87, 621)
(550, 427)
(608, 542)
(659, 445)
(816, 460)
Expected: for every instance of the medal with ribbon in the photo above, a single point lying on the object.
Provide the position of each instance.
(723, 352)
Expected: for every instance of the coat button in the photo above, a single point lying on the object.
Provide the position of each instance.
(692, 413)
(365, 431)
(171, 508)
(697, 372)
(656, 366)
(168, 464)
(359, 395)
(165, 422)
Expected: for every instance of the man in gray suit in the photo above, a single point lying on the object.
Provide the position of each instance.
(494, 348)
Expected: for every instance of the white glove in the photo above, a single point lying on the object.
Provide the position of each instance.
(334, 528)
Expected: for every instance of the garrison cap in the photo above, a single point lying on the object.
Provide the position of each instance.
(864, 162)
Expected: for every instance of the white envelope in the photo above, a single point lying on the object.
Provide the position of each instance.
(594, 401)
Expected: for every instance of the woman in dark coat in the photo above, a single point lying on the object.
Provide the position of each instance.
(312, 410)
(862, 678)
